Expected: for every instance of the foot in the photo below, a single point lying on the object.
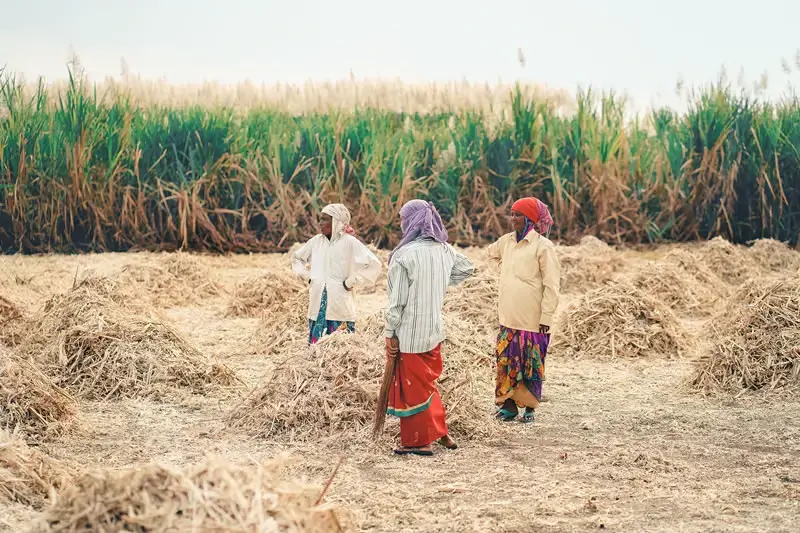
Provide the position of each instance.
(528, 416)
(448, 443)
(507, 412)
(424, 451)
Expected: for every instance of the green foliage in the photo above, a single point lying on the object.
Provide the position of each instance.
(80, 173)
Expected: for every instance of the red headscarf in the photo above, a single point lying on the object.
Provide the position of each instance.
(536, 211)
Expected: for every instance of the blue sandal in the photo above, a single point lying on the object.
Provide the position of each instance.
(528, 417)
(505, 415)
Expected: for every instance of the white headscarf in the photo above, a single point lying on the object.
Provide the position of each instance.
(341, 219)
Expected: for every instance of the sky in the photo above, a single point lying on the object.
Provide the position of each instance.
(639, 47)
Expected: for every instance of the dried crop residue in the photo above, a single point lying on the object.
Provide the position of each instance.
(97, 348)
(755, 343)
(268, 295)
(681, 282)
(330, 389)
(213, 495)
(30, 401)
(327, 389)
(475, 300)
(774, 256)
(620, 320)
(590, 265)
(172, 280)
(27, 476)
(11, 322)
(727, 260)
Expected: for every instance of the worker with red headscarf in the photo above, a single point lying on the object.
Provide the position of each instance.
(530, 277)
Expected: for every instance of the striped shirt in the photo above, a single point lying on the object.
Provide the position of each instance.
(417, 282)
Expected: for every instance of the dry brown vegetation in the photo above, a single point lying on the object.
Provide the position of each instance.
(274, 292)
(11, 321)
(619, 420)
(755, 343)
(180, 279)
(28, 476)
(93, 345)
(620, 320)
(30, 401)
(213, 495)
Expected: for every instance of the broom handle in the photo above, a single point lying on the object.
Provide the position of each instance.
(380, 411)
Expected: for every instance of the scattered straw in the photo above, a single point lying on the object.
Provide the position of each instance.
(28, 476)
(214, 495)
(269, 295)
(29, 400)
(774, 256)
(755, 343)
(98, 348)
(620, 320)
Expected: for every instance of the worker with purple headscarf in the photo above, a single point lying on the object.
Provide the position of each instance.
(421, 268)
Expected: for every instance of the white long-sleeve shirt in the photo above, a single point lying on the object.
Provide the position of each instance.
(329, 263)
(417, 281)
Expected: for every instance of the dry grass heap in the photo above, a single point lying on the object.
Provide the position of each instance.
(330, 389)
(755, 343)
(11, 322)
(178, 279)
(327, 389)
(587, 266)
(774, 256)
(100, 349)
(682, 282)
(620, 320)
(475, 300)
(213, 495)
(29, 400)
(727, 260)
(27, 476)
(269, 295)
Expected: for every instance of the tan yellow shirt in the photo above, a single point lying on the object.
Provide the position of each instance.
(530, 278)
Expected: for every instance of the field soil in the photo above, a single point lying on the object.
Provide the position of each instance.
(618, 444)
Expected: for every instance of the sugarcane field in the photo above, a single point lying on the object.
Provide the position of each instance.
(394, 303)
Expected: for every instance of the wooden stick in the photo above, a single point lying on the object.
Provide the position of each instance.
(383, 396)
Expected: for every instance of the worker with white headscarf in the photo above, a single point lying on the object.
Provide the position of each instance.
(333, 263)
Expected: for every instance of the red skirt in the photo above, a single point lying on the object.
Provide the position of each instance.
(414, 398)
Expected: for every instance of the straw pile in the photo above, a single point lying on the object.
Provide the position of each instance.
(590, 265)
(213, 495)
(774, 256)
(11, 322)
(29, 400)
(180, 279)
(724, 258)
(620, 320)
(27, 476)
(681, 282)
(330, 389)
(755, 344)
(321, 390)
(98, 348)
(271, 294)
(475, 300)
(380, 283)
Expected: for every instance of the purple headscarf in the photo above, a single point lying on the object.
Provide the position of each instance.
(420, 219)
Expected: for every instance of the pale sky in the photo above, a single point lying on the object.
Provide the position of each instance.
(638, 46)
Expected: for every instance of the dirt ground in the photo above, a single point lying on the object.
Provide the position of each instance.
(618, 445)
